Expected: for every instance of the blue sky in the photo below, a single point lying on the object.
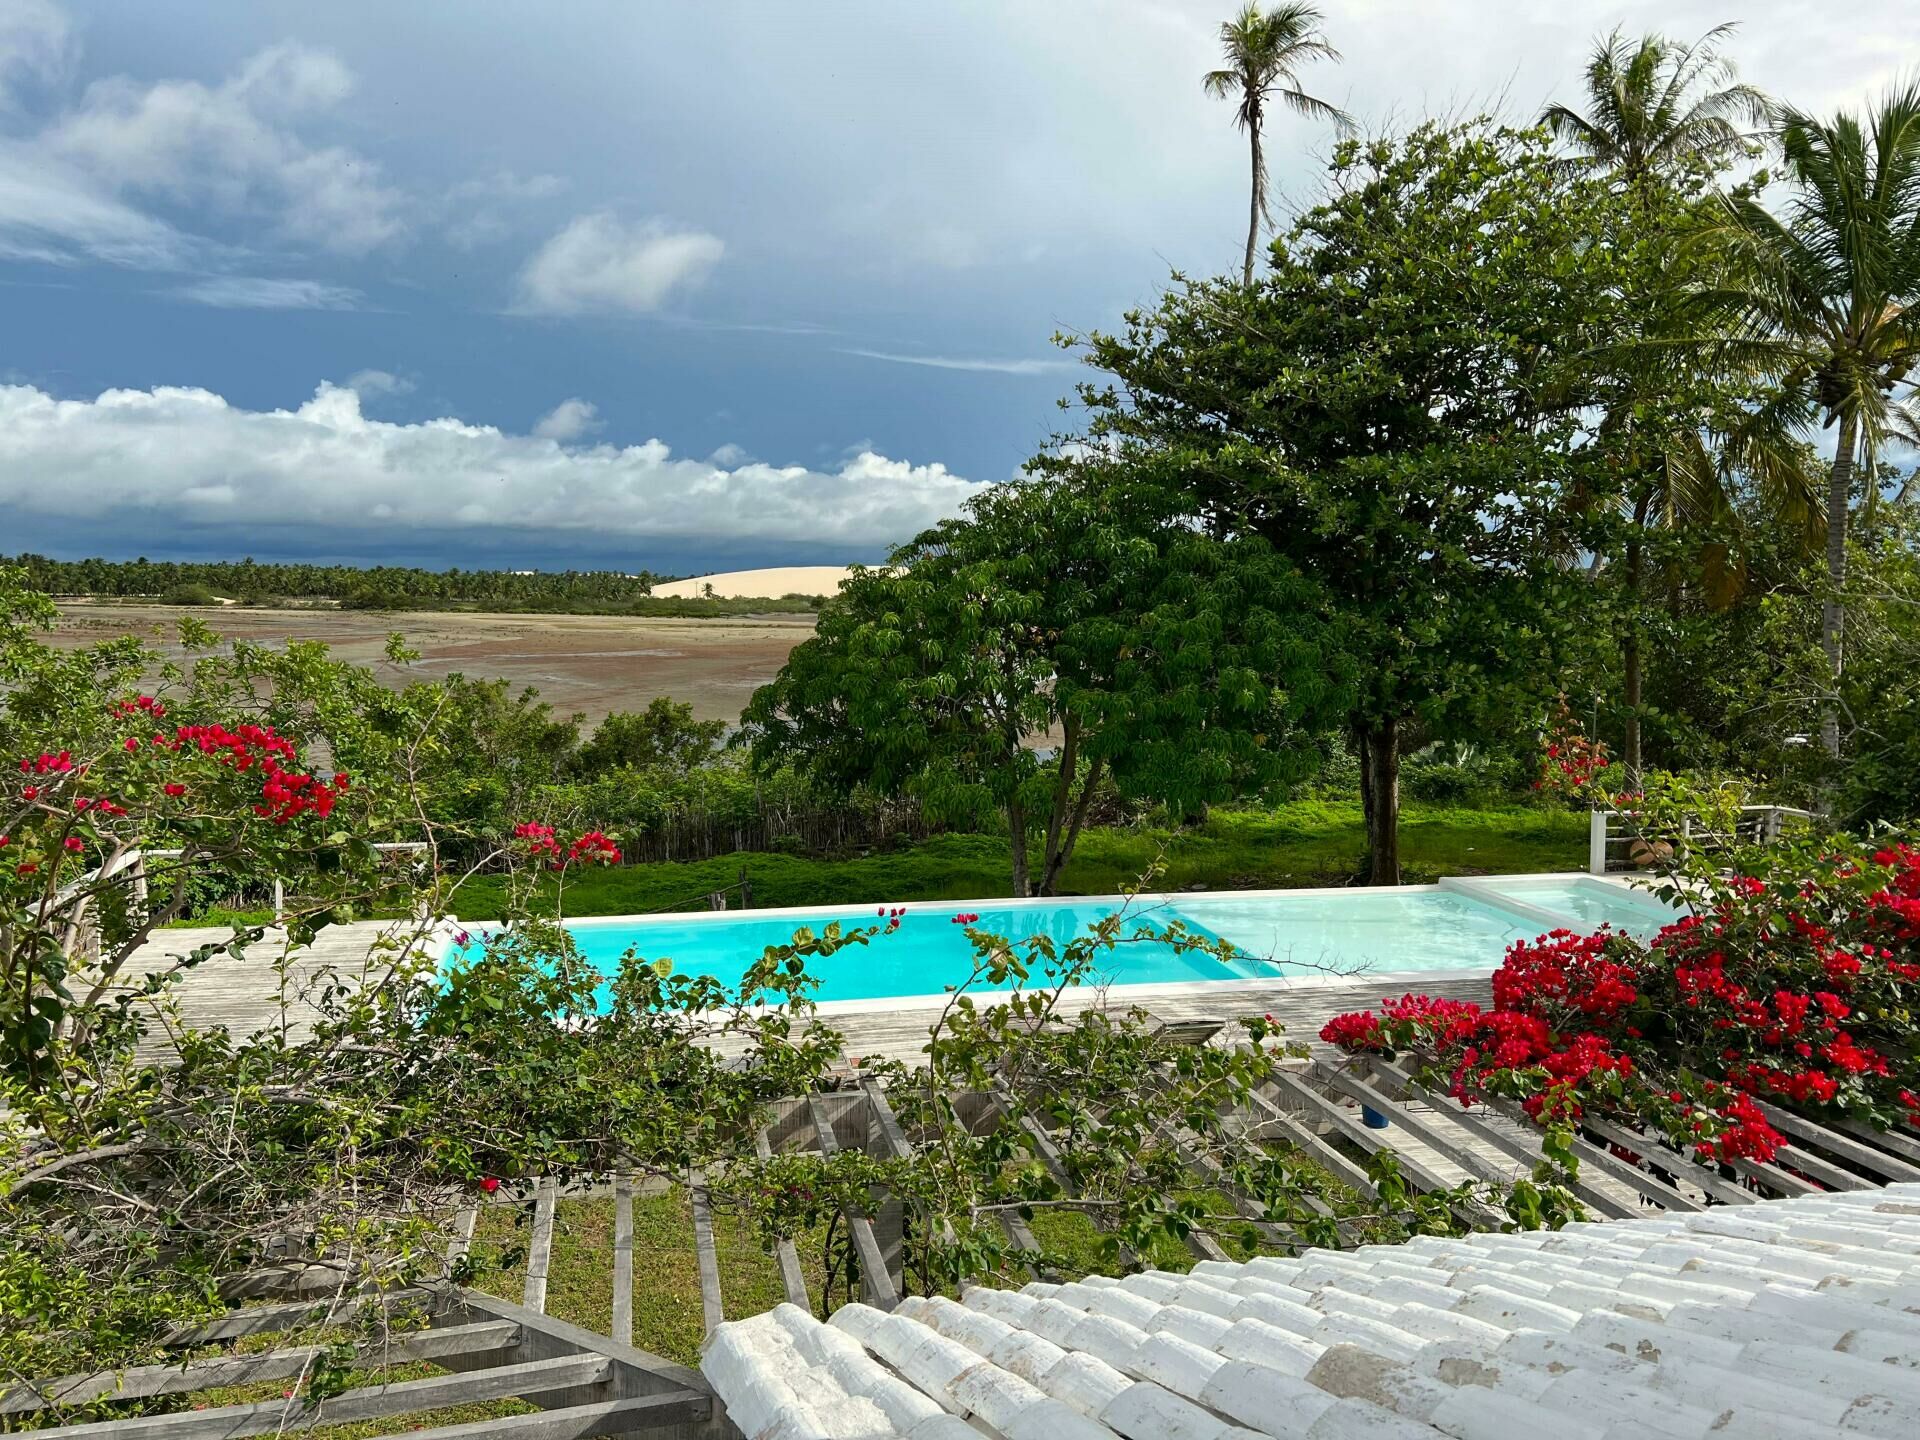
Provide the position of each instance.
(642, 284)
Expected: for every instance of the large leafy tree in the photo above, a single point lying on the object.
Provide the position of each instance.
(1389, 410)
(1823, 296)
(1263, 51)
(1086, 616)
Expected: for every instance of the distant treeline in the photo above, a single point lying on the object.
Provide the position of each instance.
(380, 587)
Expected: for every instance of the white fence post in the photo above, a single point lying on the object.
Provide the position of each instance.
(1597, 842)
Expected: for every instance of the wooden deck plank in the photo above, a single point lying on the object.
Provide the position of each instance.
(540, 1247)
(623, 1259)
(874, 1276)
(1861, 1153)
(793, 1280)
(374, 1402)
(1523, 1147)
(461, 1241)
(713, 1310)
(487, 1337)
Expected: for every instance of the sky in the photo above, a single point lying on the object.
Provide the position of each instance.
(684, 287)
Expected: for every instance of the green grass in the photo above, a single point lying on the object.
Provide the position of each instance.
(1299, 844)
(667, 1317)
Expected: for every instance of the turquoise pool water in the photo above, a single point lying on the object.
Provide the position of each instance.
(1344, 932)
(1589, 903)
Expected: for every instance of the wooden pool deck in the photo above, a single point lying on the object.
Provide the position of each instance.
(256, 994)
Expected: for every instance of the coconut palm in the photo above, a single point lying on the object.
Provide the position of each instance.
(1661, 115)
(1262, 51)
(1656, 107)
(1825, 299)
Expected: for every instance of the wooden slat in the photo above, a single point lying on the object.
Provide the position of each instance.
(260, 1319)
(375, 1402)
(1323, 1108)
(623, 1259)
(489, 1337)
(540, 1247)
(1296, 1133)
(1842, 1147)
(793, 1280)
(1431, 1132)
(1001, 1103)
(1822, 1169)
(462, 1239)
(1662, 1194)
(1904, 1146)
(1526, 1150)
(577, 1422)
(1704, 1176)
(713, 1310)
(873, 1261)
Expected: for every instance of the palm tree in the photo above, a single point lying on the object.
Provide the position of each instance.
(1825, 298)
(1657, 108)
(1262, 51)
(1660, 115)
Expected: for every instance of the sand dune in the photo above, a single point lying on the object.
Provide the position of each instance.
(759, 584)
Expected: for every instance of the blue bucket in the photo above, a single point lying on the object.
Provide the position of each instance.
(1375, 1120)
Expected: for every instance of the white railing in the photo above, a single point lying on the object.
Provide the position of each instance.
(1610, 849)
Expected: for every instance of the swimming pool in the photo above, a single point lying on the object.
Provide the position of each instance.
(1281, 933)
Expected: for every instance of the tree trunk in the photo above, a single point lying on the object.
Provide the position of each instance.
(1380, 795)
(1017, 834)
(1630, 648)
(1253, 206)
(1833, 612)
(1060, 851)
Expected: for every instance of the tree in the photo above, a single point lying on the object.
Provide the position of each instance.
(663, 736)
(1825, 298)
(1394, 410)
(1657, 109)
(1662, 121)
(1084, 615)
(1262, 51)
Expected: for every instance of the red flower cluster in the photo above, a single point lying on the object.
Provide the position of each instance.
(894, 916)
(965, 917)
(593, 846)
(1569, 761)
(48, 764)
(285, 793)
(1798, 991)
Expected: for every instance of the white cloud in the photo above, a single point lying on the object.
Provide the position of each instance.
(368, 384)
(950, 362)
(51, 214)
(35, 41)
(256, 292)
(227, 148)
(175, 460)
(568, 421)
(597, 263)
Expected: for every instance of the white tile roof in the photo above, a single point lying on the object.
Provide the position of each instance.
(1794, 1318)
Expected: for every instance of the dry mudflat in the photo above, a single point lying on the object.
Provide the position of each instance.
(591, 664)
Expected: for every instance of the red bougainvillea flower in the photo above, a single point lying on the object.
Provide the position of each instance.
(489, 1184)
(174, 788)
(74, 842)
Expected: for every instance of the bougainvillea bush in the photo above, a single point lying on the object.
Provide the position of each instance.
(1795, 981)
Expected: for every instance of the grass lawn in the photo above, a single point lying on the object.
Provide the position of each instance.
(1299, 844)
